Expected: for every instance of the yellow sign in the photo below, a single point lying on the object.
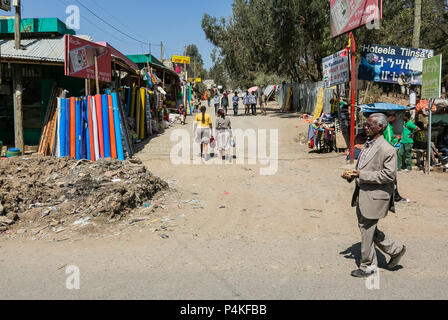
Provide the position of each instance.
(198, 80)
(180, 59)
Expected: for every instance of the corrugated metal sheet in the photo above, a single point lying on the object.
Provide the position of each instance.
(304, 96)
(35, 49)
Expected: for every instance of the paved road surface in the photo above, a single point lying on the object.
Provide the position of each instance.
(288, 236)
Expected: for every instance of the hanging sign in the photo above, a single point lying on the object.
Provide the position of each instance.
(381, 63)
(335, 69)
(346, 15)
(180, 59)
(432, 78)
(80, 59)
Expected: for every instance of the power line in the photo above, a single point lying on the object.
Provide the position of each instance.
(110, 25)
(101, 29)
(112, 16)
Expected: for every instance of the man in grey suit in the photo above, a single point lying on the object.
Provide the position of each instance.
(375, 174)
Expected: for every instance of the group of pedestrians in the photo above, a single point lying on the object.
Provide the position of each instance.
(221, 102)
(250, 103)
(203, 128)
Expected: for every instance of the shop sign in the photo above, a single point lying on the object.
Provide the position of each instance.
(180, 59)
(5, 5)
(381, 63)
(432, 77)
(335, 69)
(80, 59)
(346, 15)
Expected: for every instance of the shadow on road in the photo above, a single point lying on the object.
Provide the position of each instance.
(354, 252)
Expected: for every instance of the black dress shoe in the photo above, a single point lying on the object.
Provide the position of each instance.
(361, 273)
(396, 259)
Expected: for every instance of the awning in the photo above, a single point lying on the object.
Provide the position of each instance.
(383, 107)
(117, 54)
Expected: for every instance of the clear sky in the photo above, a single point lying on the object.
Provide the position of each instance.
(175, 22)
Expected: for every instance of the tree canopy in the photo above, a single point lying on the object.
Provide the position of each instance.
(196, 67)
(289, 38)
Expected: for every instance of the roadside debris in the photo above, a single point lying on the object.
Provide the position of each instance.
(70, 192)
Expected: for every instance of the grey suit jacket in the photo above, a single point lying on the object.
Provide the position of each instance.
(374, 193)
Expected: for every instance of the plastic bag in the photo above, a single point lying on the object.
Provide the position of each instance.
(212, 142)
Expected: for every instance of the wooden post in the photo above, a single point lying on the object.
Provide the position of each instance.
(96, 76)
(18, 114)
(161, 51)
(17, 23)
(352, 94)
(431, 102)
(87, 85)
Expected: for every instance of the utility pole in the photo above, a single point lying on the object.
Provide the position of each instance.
(17, 22)
(417, 24)
(161, 51)
(17, 84)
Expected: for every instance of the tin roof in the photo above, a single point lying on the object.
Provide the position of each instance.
(35, 49)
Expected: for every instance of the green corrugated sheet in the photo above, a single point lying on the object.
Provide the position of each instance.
(139, 58)
(36, 25)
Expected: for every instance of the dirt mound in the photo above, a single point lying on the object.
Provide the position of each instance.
(45, 188)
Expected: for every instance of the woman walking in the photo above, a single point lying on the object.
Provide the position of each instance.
(246, 102)
(253, 103)
(225, 101)
(223, 135)
(203, 129)
(262, 103)
(209, 96)
(216, 100)
(235, 101)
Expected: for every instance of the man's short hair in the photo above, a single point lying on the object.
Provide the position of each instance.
(381, 119)
(391, 114)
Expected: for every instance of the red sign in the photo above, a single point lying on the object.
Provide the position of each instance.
(80, 59)
(347, 15)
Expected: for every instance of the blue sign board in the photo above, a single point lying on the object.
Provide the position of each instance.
(387, 64)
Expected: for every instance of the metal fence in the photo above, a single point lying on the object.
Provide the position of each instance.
(304, 96)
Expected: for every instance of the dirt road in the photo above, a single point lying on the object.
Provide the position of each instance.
(292, 235)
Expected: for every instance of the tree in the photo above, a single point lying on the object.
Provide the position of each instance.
(289, 38)
(217, 72)
(196, 67)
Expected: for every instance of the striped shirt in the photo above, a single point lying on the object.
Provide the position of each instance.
(365, 153)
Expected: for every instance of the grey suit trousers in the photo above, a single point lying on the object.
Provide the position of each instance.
(371, 236)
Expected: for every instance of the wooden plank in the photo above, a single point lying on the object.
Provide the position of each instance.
(44, 133)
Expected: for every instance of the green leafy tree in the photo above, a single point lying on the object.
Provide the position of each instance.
(289, 38)
(196, 68)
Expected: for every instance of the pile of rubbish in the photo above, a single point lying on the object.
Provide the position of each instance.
(43, 189)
